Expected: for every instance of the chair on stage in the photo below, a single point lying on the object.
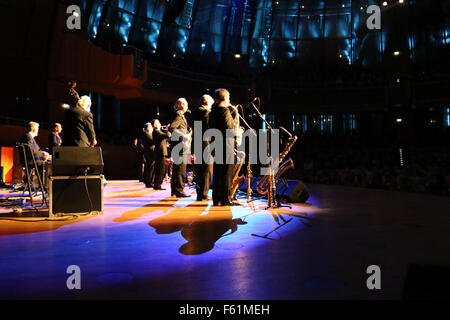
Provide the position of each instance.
(32, 171)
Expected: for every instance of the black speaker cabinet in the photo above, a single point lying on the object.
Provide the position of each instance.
(294, 192)
(67, 161)
(75, 195)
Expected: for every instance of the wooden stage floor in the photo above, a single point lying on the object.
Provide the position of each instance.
(148, 245)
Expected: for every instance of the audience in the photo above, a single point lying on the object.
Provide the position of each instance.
(320, 160)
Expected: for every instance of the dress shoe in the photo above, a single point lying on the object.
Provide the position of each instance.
(230, 204)
(181, 195)
(158, 188)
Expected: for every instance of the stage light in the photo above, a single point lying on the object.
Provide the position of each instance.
(385, 3)
(396, 53)
(65, 106)
(400, 1)
(399, 120)
(237, 56)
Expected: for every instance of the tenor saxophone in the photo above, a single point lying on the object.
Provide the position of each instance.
(265, 183)
(237, 180)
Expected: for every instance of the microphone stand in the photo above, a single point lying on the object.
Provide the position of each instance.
(271, 194)
(274, 201)
(249, 167)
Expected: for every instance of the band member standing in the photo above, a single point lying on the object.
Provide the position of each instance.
(149, 154)
(202, 171)
(79, 125)
(54, 139)
(220, 118)
(160, 139)
(179, 124)
(140, 156)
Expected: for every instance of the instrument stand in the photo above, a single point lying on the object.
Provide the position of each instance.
(31, 165)
(279, 204)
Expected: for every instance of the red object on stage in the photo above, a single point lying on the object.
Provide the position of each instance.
(7, 162)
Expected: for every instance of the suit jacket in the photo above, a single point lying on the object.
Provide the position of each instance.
(160, 139)
(200, 114)
(73, 97)
(54, 140)
(178, 123)
(78, 128)
(148, 143)
(35, 149)
(220, 118)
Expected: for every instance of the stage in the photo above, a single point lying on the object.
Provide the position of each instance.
(148, 245)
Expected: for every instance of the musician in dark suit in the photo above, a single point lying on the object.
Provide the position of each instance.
(39, 155)
(149, 154)
(79, 125)
(179, 127)
(202, 170)
(54, 139)
(141, 160)
(220, 118)
(161, 153)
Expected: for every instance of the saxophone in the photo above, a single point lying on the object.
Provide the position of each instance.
(266, 182)
(237, 180)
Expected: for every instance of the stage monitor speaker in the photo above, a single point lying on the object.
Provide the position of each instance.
(74, 161)
(253, 185)
(75, 195)
(294, 192)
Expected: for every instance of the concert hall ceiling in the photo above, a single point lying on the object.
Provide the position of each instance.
(265, 32)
